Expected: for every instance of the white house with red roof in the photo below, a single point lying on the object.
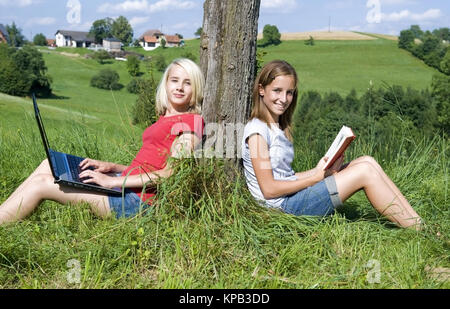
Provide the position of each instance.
(151, 40)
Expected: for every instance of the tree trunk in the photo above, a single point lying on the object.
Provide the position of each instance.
(228, 60)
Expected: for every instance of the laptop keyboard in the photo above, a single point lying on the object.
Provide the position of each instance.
(74, 166)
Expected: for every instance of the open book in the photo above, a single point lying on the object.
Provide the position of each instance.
(340, 143)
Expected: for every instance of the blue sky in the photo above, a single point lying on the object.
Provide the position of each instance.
(185, 16)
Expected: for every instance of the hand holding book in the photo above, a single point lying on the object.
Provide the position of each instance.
(339, 145)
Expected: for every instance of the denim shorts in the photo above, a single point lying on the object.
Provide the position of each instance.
(126, 206)
(318, 200)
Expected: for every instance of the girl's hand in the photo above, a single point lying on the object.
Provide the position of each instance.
(97, 166)
(90, 176)
(336, 167)
(319, 172)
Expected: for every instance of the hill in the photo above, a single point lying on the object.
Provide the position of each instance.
(343, 65)
(207, 231)
(324, 35)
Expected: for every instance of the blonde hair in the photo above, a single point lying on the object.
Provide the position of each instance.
(197, 84)
(267, 75)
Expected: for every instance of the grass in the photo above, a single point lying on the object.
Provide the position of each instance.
(343, 65)
(206, 230)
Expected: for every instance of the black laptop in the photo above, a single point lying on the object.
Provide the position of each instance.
(65, 167)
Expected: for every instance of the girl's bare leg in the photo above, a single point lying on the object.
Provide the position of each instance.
(365, 173)
(40, 186)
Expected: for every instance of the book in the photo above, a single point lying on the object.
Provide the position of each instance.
(339, 145)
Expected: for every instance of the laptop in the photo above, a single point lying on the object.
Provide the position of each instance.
(65, 167)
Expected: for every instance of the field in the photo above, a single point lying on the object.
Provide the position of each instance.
(207, 232)
(323, 35)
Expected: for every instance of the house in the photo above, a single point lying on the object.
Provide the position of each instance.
(51, 43)
(4, 36)
(66, 38)
(172, 40)
(151, 40)
(112, 44)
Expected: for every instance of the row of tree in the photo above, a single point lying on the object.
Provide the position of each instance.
(431, 47)
(384, 113)
(108, 27)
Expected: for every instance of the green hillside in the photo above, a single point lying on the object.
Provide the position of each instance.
(327, 66)
(343, 65)
(206, 230)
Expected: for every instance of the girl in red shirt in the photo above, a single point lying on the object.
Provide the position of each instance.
(176, 133)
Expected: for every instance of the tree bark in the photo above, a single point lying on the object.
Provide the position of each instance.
(228, 61)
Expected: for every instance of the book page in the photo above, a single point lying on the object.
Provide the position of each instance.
(344, 134)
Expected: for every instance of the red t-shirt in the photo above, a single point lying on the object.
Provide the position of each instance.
(157, 142)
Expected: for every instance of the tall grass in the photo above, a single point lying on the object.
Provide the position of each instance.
(206, 231)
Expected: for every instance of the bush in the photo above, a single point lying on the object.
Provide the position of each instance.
(106, 79)
(101, 56)
(310, 41)
(189, 55)
(271, 36)
(160, 62)
(23, 71)
(406, 39)
(133, 86)
(144, 111)
(40, 40)
(133, 65)
(378, 113)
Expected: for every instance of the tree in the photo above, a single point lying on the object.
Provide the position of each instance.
(133, 65)
(30, 60)
(199, 32)
(122, 30)
(271, 36)
(101, 29)
(310, 41)
(442, 33)
(144, 111)
(160, 62)
(406, 39)
(23, 71)
(40, 40)
(163, 43)
(229, 67)
(13, 81)
(445, 63)
(16, 37)
(417, 32)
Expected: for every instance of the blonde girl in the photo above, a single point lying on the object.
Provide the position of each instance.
(179, 128)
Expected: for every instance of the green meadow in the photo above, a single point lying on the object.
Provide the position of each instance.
(206, 231)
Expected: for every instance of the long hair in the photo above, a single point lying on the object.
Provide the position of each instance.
(267, 75)
(197, 84)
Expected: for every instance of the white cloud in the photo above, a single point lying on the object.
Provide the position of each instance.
(41, 21)
(145, 6)
(397, 2)
(407, 15)
(138, 20)
(17, 3)
(86, 26)
(282, 5)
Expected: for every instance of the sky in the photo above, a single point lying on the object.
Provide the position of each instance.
(185, 16)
